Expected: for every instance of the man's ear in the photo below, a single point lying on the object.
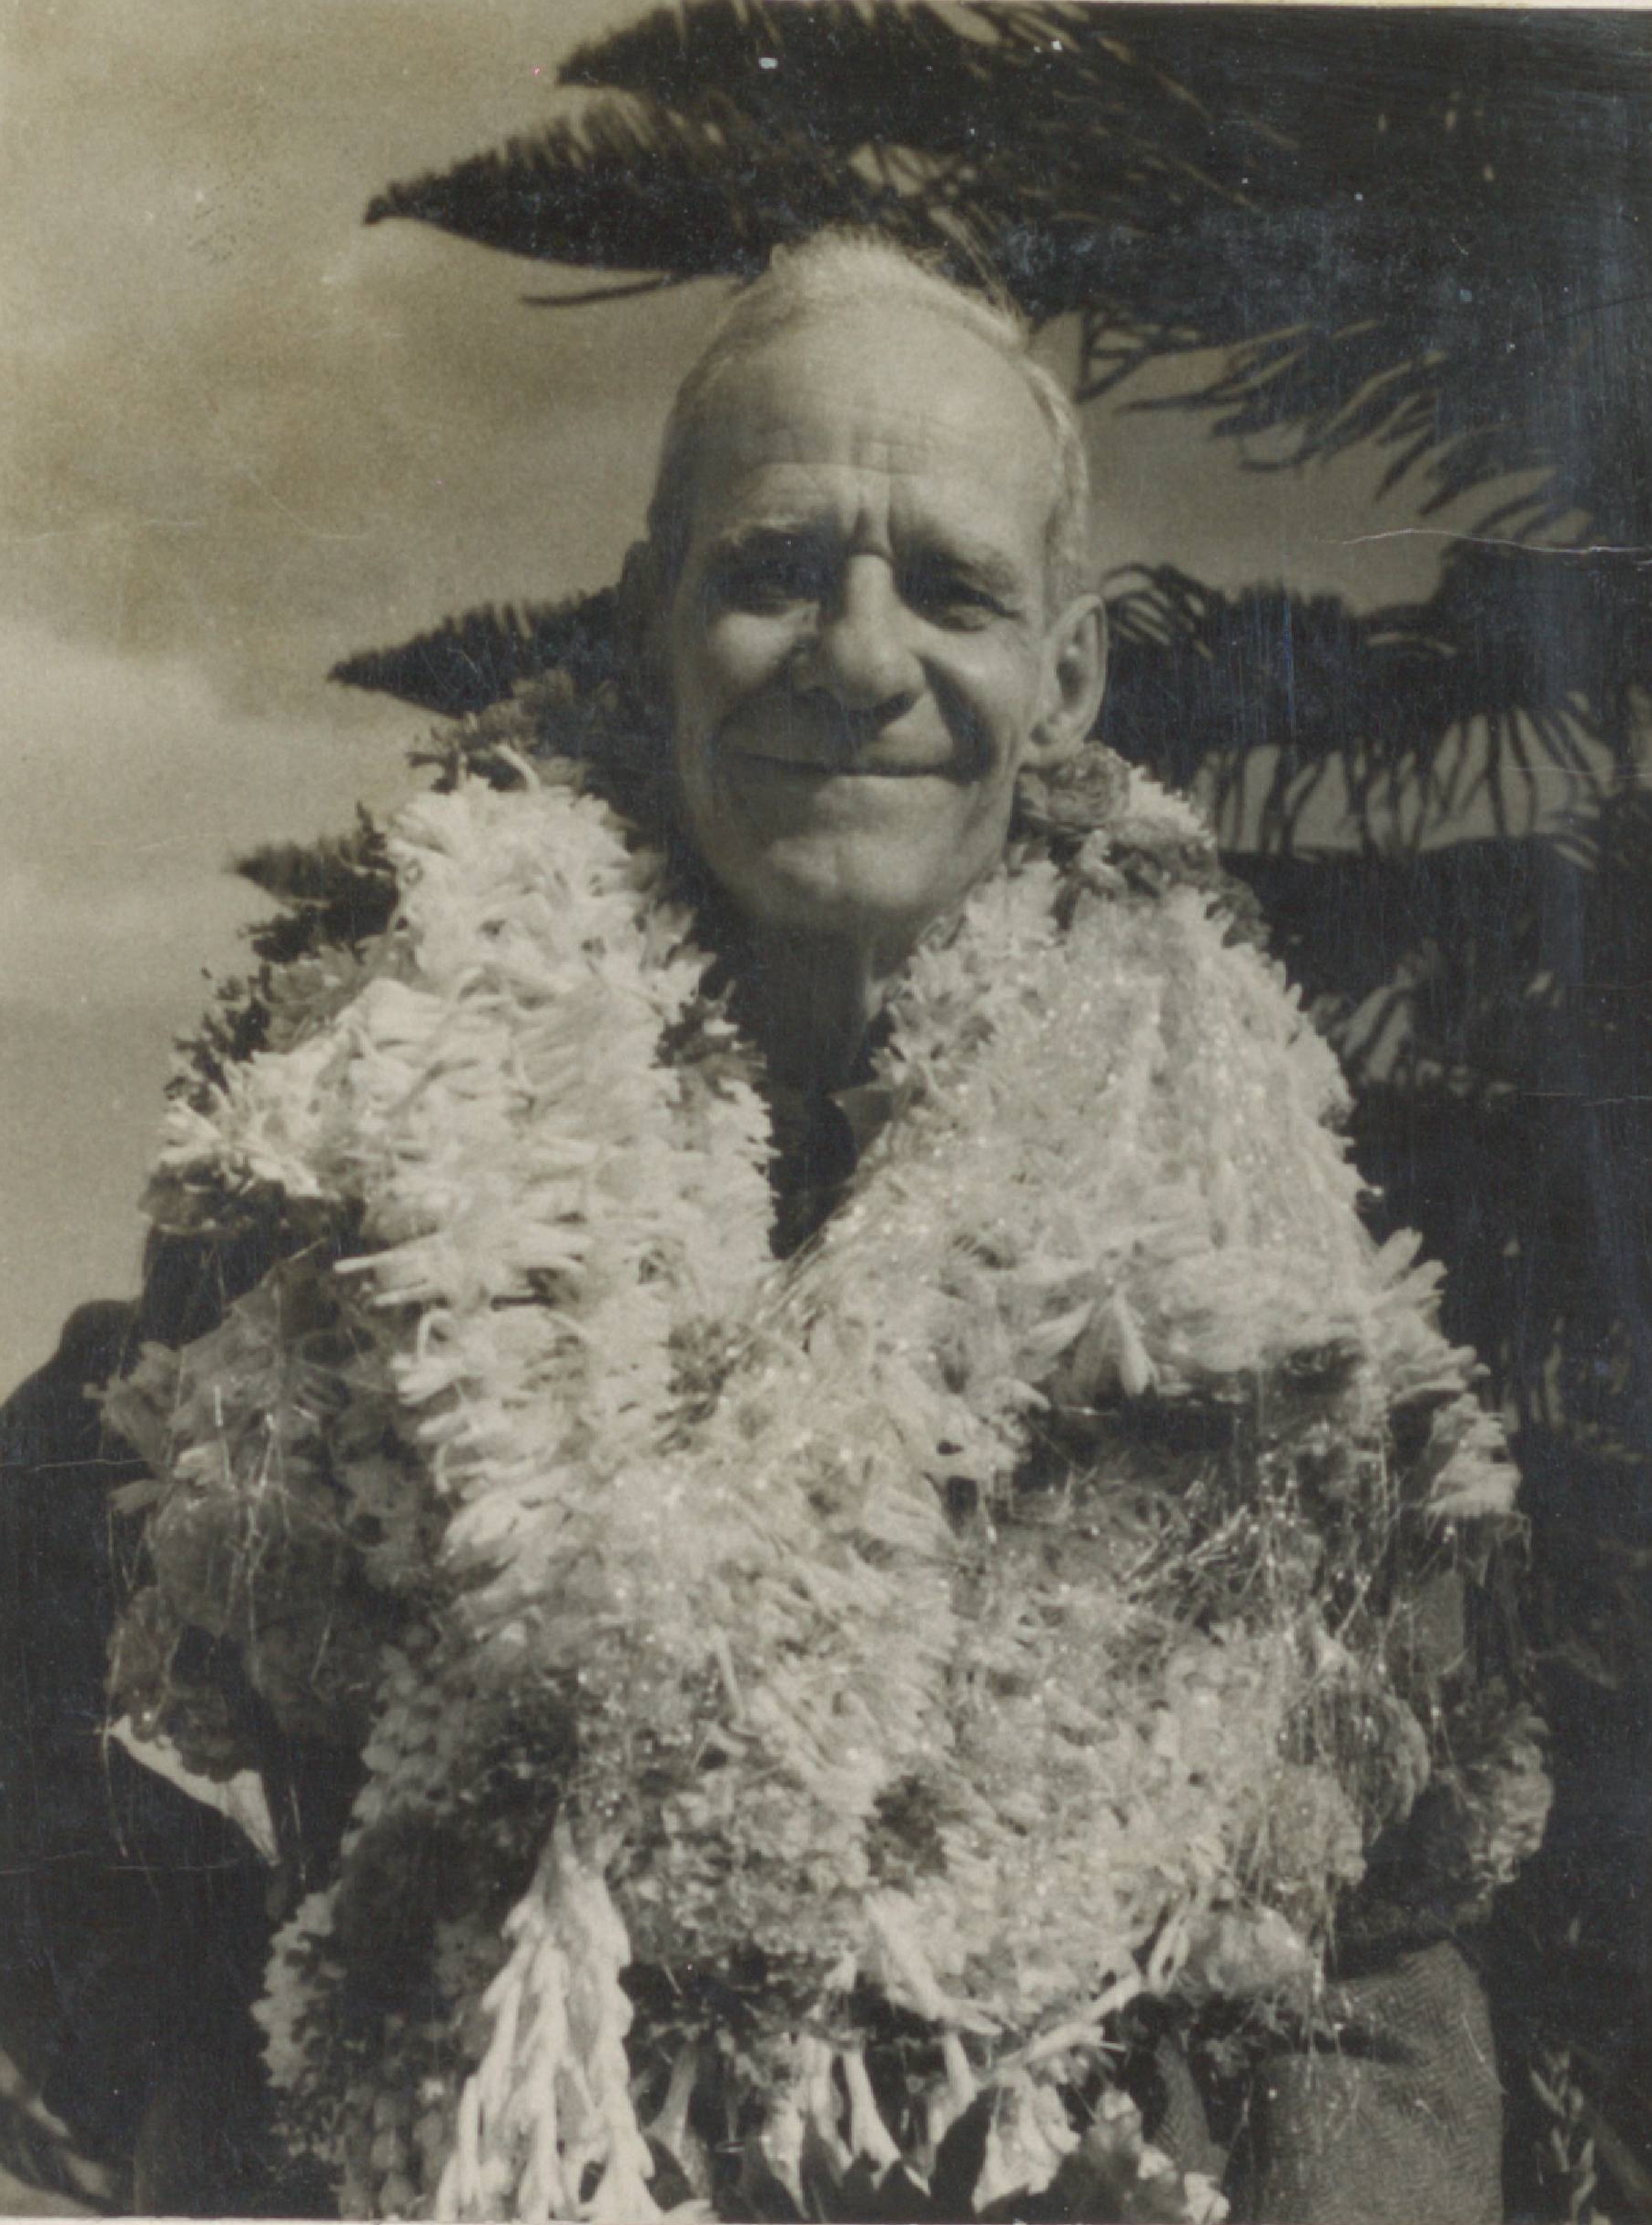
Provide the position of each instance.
(641, 618)
(1074, 681)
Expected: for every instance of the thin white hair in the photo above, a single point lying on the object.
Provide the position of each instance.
(836, 270)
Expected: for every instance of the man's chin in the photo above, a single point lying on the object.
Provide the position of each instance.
(852, 855)
(787, 811)
(869, 892)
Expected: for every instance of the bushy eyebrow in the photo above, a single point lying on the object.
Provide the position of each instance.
(760, 539)
(978, 562)
(974, 560)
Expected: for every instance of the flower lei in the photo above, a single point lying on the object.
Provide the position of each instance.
(911, 1652)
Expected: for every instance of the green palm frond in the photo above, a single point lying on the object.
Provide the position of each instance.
(1270, 186)
(334, 891)
(973, 106)
(1491, 953)
(846, 74)
(1490, 1001)
(1439, 245)
(624, 188)
(1514, 671)
(467, 663)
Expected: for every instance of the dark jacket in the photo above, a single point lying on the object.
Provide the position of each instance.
(133, 1924)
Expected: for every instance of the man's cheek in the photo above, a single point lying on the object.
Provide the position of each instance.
(741, 653)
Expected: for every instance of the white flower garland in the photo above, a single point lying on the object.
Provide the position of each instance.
(621, 1472)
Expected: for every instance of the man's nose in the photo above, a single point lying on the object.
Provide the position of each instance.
(859, 653)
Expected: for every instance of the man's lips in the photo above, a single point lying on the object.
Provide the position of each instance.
(805, 742)
(810, 768)
(815, 754)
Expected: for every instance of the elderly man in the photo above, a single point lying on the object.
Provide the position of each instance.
(872, 616)
(803, 1422)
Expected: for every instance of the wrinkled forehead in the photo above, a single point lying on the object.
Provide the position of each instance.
(898, 406)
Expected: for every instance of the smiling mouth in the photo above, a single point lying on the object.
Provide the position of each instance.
(798, 768)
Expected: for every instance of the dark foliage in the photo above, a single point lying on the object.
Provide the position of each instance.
(466, 663)
(1266, 183)
(616, 192)
(1518, 662)
(336, 891)
(1518, 669)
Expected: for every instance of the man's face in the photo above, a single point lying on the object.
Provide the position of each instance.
(856, 647)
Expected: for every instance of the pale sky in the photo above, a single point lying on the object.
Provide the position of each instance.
(242, 435)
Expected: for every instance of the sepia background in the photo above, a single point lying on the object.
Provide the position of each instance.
(242, 436)
(245, 435)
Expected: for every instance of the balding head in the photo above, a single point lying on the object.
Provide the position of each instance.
(858, 621)
(837, 275)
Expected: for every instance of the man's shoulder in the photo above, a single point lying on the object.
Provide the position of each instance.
(51, 1418)
(59, 1577)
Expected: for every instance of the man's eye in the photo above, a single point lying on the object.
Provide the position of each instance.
(950, 598)
(770, 579)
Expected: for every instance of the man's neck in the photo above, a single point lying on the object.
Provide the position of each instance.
(809, 1001)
